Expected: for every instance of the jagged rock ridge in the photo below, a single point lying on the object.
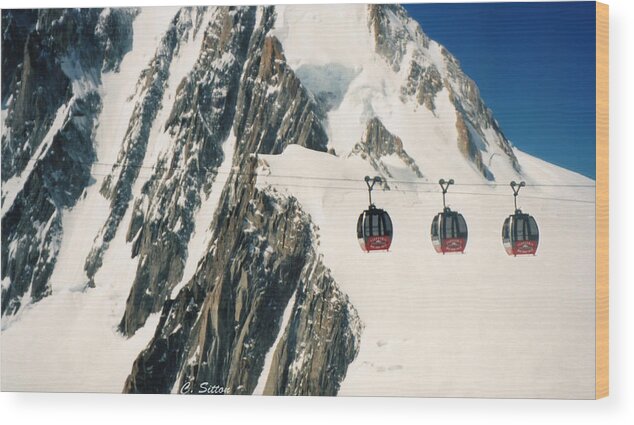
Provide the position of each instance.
(63, 46)
(394, 32)
(218, 328)
(199, 123)
(222, 323)
(117, 186)
(378, 142)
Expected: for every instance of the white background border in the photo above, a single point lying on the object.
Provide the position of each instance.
(96, 409)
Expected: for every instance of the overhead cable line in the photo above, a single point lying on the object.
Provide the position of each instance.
(318, 178)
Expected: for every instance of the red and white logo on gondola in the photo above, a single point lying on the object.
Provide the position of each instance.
(375, 243)
(453, 245)
(525, 247)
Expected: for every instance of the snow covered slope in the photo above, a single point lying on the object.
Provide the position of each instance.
(69, 341)
(469, 325)
(215, 241)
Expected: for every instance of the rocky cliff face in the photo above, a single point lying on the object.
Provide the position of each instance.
(271, 111)
(378, 143)
(474, 118)
(117, 186)
(423, 83)
(274, 109)
(47, 139)
(32, 227)
(390, 26)
(223, 322)
(16, 26)
(199, 123)
(220, 326)
(394, 33)
(60, 47)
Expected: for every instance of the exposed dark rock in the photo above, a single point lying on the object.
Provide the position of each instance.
(423, 83)
(320, 341)
(474, 117)
(378, 142)
(390, 38)
(272, 110)
(222, 323)
(200, 121)
(16, 26)
(117, 186)
(31, 228)
(468, 147)
(114, 32)
(63, 45)
(60, 50)
(40, 89)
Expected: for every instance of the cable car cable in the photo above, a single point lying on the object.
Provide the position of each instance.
(428, 183)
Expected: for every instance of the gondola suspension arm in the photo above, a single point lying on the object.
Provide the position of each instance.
(444, 184)
(370, 182)
(516, 190)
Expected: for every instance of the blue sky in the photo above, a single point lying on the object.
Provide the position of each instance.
(535, 66)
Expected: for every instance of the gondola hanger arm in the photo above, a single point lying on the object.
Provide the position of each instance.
(370, 182)
(516, 190)
(444, 184)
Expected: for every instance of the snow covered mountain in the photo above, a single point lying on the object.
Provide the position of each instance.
(180, 188)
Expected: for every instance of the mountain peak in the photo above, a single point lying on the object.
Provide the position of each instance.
(385, 66)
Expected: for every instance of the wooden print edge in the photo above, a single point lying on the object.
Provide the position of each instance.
(602, 203)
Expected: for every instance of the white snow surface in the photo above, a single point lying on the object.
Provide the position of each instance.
(478, 324)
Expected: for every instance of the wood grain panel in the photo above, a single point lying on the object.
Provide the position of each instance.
(602, 198)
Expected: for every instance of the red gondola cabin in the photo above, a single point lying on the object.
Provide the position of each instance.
(374, 227)
(448, 228)
(449, 232)
(374, 230)
(520, 234)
